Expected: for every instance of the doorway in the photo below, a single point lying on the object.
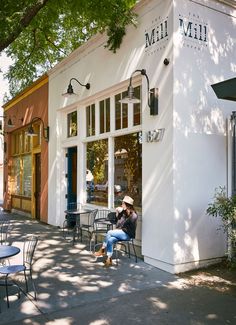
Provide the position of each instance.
(37, 193)
(71, 176)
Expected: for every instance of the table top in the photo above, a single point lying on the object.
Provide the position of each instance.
(77, 211)
(103, 221)
(8, 251)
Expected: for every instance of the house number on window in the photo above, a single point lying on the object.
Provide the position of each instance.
(155, 135)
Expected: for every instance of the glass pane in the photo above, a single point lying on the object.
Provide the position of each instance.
(72, 124)
(93, 119)
(15, 177)
(101, 108)
(124, 112)
(128, 169)
(88, 121)
(108, 115)
(97, 172)
(137, 107)
(118, 112)
(27, 178)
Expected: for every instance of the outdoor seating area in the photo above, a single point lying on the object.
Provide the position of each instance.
(73, 285)
(9, 268)
(56, 265)
(94, 224)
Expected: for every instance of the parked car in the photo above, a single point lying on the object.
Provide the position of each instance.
(104, 187)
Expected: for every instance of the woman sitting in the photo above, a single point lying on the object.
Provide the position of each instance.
(125, 229)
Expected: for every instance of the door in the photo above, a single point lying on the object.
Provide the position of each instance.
(37, 193)
(71, 176)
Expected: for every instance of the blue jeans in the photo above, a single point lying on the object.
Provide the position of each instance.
(112, 237)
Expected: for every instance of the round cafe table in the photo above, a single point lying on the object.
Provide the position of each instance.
(8, 251)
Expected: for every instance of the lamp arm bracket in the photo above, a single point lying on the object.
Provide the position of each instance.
(87, 85)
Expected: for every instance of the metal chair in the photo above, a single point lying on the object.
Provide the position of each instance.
(30, 244)
(5, 229)
(87, 227)
(70, 220)
(102, 224)
(126, 244)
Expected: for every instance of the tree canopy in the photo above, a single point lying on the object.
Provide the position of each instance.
(37, 34)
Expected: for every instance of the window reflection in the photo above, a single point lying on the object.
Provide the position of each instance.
(128, 168)
(72, 124)
(97, 172)
(90, 120)
(121, 112)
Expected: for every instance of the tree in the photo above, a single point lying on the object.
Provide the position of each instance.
(37, 34)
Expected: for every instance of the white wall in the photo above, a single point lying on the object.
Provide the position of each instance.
(200, 152)
(181, 171)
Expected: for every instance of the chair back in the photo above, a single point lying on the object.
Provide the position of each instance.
(102, 215)
(90, 218)
(5, 229)
(30, 244)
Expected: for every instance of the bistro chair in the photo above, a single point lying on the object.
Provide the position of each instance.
(126, 244)
(70, 220)
(30, 244)
(87, 226)
(5, 229)
(102, 224)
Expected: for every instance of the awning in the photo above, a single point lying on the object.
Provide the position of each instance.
(225, 89)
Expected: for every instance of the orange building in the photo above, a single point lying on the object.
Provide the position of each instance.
(26, 137)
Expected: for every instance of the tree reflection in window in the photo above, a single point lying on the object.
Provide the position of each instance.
(72, 124)
(97, 172)
(128, 168)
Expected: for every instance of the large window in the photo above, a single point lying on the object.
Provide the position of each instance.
(21, 161)
(124, 165)
(21, 177)
(90, 120)
(128, 168)
(72, 124)
(97, 172)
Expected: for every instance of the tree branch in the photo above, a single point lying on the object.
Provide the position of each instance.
(29, 14)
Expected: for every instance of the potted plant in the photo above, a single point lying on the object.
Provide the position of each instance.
(224, 206)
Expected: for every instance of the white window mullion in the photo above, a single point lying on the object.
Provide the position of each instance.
(97, 119)
(110, 172)
(112, 114)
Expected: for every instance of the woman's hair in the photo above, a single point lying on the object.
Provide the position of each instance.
(129, 206)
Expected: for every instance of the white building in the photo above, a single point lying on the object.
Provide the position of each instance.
(180, 171)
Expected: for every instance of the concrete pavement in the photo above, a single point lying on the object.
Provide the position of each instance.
(74, 288)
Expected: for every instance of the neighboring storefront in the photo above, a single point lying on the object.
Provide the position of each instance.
(168, 151)
(26, 138)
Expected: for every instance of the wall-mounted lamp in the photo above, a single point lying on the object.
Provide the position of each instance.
(70, 90)
(11, 121)
(31, 133)
(152, 94)
(166, 61)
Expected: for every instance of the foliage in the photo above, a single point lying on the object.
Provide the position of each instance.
(40, 39)
(97, 152)
(224, 207)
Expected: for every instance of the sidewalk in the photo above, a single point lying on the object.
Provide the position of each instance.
(74, 288)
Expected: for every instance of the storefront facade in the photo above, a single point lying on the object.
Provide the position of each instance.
(101, 149)
(26, 154)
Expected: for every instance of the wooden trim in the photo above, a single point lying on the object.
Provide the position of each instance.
(29, 90)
